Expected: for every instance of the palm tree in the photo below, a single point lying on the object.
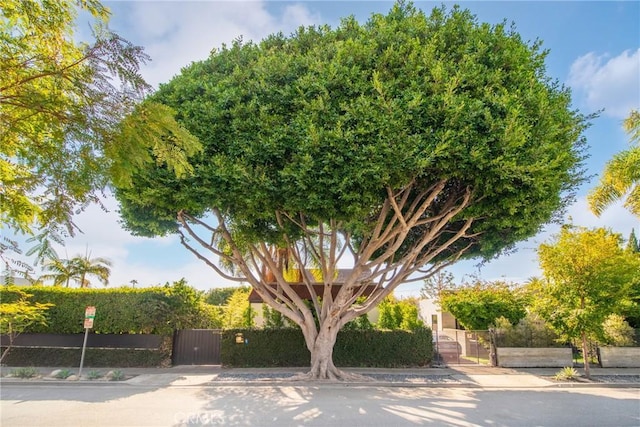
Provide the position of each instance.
(621, 175)
(61, 271)
(84, 265)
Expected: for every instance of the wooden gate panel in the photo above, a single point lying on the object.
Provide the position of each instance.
(196, 347)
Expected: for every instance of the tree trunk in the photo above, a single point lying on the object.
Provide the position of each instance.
(11, 337)
(322, 367)
(585, 350)
(585, 355)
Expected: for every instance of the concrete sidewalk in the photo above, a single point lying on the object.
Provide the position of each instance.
(477, 376)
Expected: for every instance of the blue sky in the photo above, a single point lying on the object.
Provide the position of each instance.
(594, 49)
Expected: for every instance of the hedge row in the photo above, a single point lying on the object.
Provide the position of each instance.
(286, 347)
(158, 310)
(94, 357)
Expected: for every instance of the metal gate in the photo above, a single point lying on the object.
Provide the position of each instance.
(196, 347)
(454, 347)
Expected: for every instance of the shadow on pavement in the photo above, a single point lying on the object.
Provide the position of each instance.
(381, 406)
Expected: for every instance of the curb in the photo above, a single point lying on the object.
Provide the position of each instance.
(335, 384)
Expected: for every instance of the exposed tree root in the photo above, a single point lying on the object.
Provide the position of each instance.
(333, 375)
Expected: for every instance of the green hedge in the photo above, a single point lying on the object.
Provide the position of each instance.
(94, 357)
(157, 310)
(384, 349)
(355, 348)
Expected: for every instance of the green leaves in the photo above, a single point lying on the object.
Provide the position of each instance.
(621, 175)
(153, 310)
(588, 275)
(62, 271)
(151, 134)
(64, 109)
(477, 306)
(322, 123)
(19, 315)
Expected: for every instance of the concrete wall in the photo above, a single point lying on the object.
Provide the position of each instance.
(620, 357)
(520, 357)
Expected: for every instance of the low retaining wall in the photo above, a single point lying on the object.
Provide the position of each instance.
(547, 357)
(620, 357)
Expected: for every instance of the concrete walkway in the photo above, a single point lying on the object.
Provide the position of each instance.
(475, 376)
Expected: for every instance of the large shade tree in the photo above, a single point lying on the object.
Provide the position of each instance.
(399, 145)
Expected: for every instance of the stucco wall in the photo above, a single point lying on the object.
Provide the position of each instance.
(519, 357)
(620, 357)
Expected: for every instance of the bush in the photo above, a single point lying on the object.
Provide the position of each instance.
(617, 332)
(530, 332)
(286, 347)
(211, 317)
(263, 348)
(384, 349)
(94, 357)
(566, 373)
(399, 314)
(116, 376)
(28, 372)
(94, 375)
(64, 374)
(273, 319)
(361, 323)
(157, 310)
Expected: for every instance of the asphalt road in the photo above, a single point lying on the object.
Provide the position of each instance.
(326, 405)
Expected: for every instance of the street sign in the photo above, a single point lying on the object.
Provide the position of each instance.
(89, 315)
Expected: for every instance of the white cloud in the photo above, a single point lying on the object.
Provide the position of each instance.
(296, 15)
(616, 217)
(177, 33)
(612, 83)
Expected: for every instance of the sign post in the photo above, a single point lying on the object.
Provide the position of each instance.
(89, 315)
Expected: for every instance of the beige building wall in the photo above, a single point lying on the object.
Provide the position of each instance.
(432, 315)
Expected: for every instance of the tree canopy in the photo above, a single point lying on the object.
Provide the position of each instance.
(62, 271)
(588, 275)
(478, 305)
(62, 104)
(18, 315)
(406, 142)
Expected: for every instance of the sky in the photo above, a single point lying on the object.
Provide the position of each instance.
(594, 48)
